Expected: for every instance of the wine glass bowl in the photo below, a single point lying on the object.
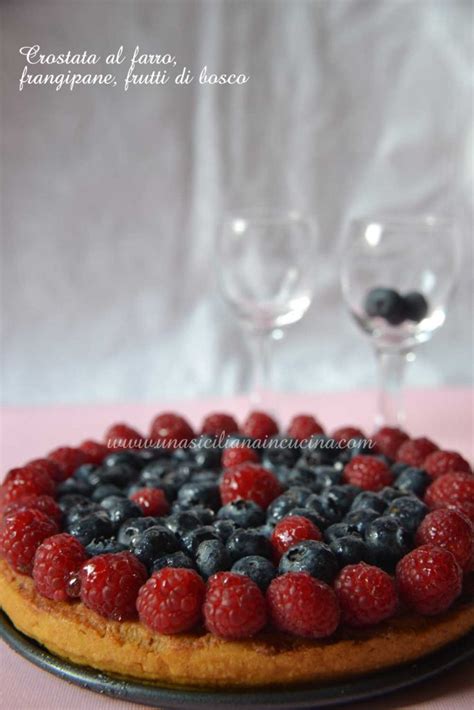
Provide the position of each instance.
(398, 256)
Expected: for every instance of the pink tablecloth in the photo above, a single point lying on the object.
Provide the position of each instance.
(444, 415)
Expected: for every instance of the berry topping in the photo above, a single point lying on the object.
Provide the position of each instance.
(110, 584)
(250, 482)
(260, 426)
(237, 455)
(292, 530)
(212, 557)
(441, 462)
(56, 561)
(387, 541)
(68, 459)
(429, 580)
(315, 558)
(24, 482)
(152, 501)
(304, 426)
(170, 602)
(414, 451)
(217, 424)
(121, 436)
(408, 511)
(366, 594)
(452, 490)
(451, 530)
(48, 467)
(94, 451)
(412, 480)
(171, 430)
(244, 513)
(368, 472)
(304, 606)
(45, 504)
(21, 533)
(234, 606)
(389, 439)
(95, 524)
(259, 569)
(346, 433)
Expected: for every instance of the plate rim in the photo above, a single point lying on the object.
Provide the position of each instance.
(359, 688)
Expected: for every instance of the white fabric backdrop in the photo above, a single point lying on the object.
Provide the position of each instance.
(111, 200)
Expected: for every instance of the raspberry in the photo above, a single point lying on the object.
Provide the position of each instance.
(43, 503)
(368, 473)
(110, 584)
(250, 482)
(121, 436)
(346, 433)
(389, 439)
(414, 451)
(441, 462)
(234, 607)
(217, 424)
(303, 427)
(259, 425)
(23, 482)
(49, 467)
(302, 605)
(291, 530)
(21, 533)
(68, 459)
(171, 600)
(453, 490)
(172, 430)
(56, 560)
(237, 455)
(152, 501)
(93, 451)
(451, 530)
(366, 594)
(429, 579)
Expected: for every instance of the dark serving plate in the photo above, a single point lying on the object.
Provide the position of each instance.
(362, 688)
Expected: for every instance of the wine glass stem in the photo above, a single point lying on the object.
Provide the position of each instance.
(261, 352)
(391, 365)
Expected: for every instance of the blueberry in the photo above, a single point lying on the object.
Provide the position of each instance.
(183, 522)
(192, 539)
(206, 452)
(73, 486)
(337, 500)
(205, 515)
(416, 306)
(119, 458)
(359, 447)
(280, 451)
(155, 470)
(224, 528)
(153, 543)
(82, 508)
(243, 543)
(398, 467)
(211, 557)
(70, 500)
(387, 542)
(349, 550)
(244, 513)
(321, 450)
(385, 303)
(280, 507)
(360, 519)
(83, 472)
(408, 511)
(412, 480)
(205, 476)
(320, 521)
(310, 556)
(315, 503)
(370, 500)
(175, 559)
(388, 494)
(205, 494)
(120, 509)
(133, 527)
(147, 456)
(107, 489)
(298, 477)
(104, 546)
(259, 569)
(88, 527)
(327, 476)
(338, 530)
(120, 475)
(183, 454)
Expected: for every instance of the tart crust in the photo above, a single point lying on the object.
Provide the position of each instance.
(74, 632)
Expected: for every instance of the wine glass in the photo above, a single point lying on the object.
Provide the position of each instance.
(266, 263)
(397, 275)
